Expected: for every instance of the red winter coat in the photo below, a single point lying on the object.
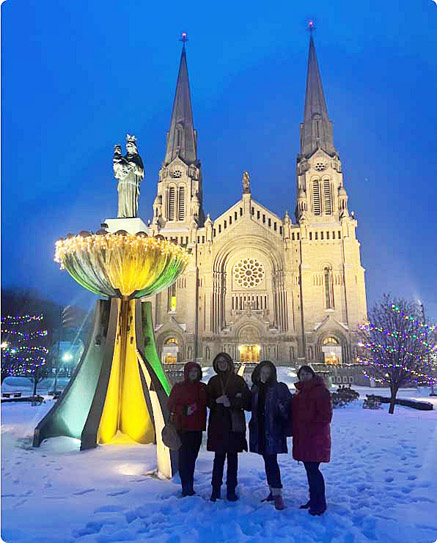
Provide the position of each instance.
(312, 414)
(184, 394)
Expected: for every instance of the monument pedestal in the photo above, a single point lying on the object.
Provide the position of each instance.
(132, 226)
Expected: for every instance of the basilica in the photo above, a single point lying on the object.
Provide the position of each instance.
(294, 291)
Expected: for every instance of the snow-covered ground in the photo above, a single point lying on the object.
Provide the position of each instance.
(381, 487)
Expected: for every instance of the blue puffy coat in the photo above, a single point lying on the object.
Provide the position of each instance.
(277, 413)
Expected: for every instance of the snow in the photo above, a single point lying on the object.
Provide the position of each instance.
(381, 487)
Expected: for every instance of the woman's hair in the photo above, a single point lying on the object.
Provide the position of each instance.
(309, 369)
(228, 359)
(257, 371)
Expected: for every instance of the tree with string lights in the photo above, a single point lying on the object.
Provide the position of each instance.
(396, 345)
(23, 348)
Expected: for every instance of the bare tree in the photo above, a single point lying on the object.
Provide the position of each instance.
(396, 345)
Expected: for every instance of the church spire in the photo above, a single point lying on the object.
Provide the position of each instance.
(316, 129)
(181, 138)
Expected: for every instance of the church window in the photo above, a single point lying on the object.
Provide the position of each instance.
(230, 220)
(321, 235)
(236, 215)
(172, 298)
(275, 226)
(329, 295)
(264, 218)
(298, 236)
(253, 211)
(220, 228)
(316, 197)
(327, 196)
(241, 211)
(311, 236)
(280, 230)
(203, 239)
(292, 236)
(327, 235)
(171, 204)
(339, 234)
(181, 214)
(258, 214)
(248, 273)
(316, 235)
(331, 341)
(270, 223)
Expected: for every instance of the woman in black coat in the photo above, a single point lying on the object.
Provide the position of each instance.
(228, 396)
(270, 424)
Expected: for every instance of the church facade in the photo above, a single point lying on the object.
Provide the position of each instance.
(260, 286)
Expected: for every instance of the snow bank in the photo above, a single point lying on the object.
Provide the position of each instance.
(381, 487)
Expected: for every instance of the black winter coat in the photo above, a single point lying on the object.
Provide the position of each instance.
(223, 421)
(276, 423)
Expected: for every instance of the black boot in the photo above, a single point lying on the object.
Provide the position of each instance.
(317, 511)
(268, 499)
(216, 491)
(230, 495)
(306, 505)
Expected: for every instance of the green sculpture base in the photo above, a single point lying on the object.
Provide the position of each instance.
(119, 389)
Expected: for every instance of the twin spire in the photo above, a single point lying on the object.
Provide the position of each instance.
(181, 138)
(316, 129)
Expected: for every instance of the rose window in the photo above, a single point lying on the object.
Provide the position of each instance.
(248, 273)
(320, 166)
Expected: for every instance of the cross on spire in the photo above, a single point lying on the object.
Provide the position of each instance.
(183, 38)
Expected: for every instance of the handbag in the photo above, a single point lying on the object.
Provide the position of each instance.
(170, 436)
(238, 421)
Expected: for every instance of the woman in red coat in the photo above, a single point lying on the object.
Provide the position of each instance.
(187, 405)
(312, 414)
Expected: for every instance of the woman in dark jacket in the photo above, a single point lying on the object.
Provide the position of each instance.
(187, 404)
(228, 396)
(312, 414)
(269, 424)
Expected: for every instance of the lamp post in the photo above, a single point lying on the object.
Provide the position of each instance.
(432, 393)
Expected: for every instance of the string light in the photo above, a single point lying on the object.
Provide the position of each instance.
(394, 360)
(122, 265)
(23, 319)
(18, 356)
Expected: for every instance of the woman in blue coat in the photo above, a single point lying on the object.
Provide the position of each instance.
(270, 424)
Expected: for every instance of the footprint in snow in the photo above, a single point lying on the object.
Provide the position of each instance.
(118, 493)
(82, 492)
(389, 479)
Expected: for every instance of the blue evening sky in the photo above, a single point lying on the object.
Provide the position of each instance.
(78, 76)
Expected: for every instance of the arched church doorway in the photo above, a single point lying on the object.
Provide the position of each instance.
(170, 351)
(249, 347)
(331, 350)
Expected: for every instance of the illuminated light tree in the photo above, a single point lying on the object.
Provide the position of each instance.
(397, 345)
(23, 348)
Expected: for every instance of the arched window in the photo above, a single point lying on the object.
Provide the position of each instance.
(181, 206)
(172, 298)
(327, 196)
(331, 341)
(171, 204)
(329, 295)
(316, 197)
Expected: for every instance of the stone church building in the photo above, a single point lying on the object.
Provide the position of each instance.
(260, 286)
